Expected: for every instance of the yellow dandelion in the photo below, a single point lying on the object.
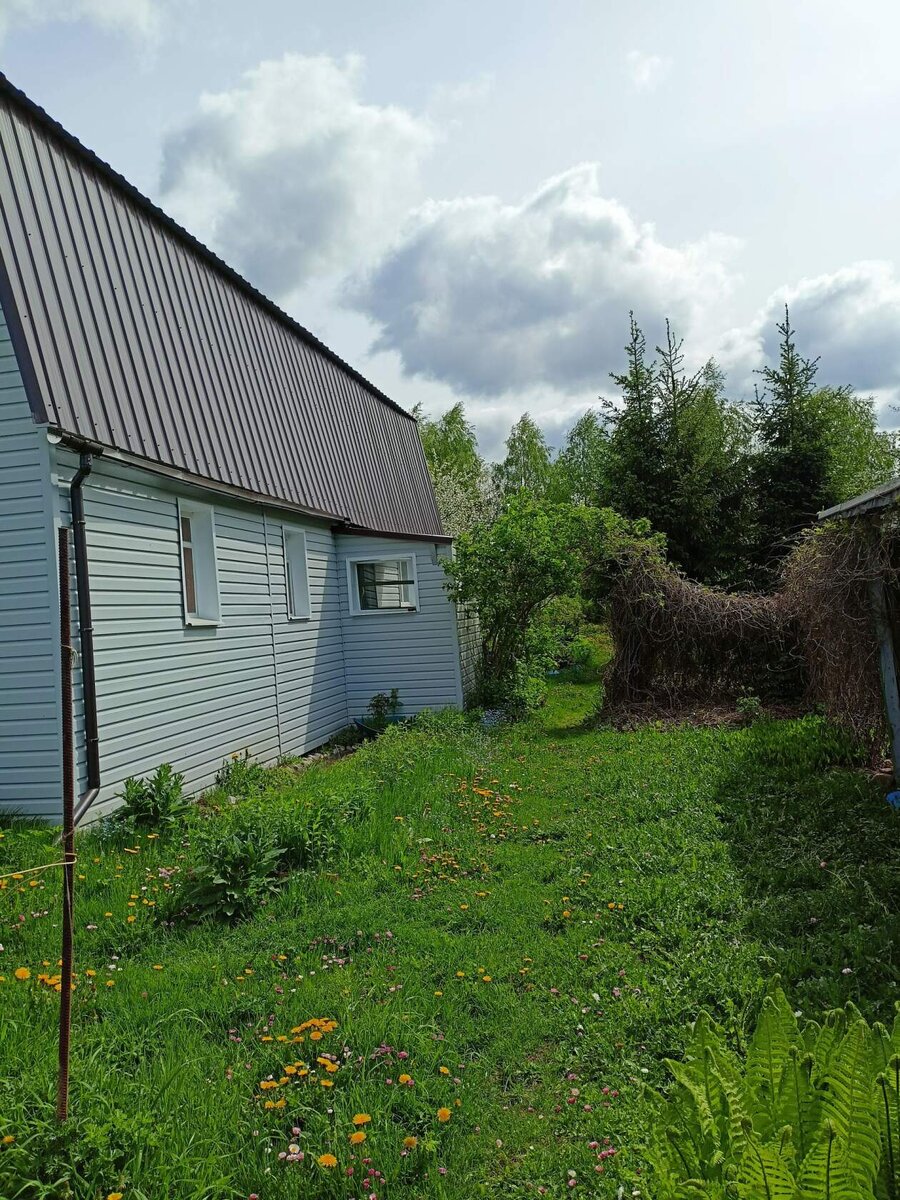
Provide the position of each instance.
(361, 1119)
(357, 1137)
(22, 973)
(8, 1140)
(444, 1115)
(326, 1160)
(404, 1078)
(444, 1070)
(410, 1142)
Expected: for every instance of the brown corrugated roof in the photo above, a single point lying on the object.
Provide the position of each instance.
(138, 337)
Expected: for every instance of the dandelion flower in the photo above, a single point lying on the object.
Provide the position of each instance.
(404, 1078)
(361, 1119)
(410, 1143)
(326, 1160)
(22, 973)
(8, 1140)
(444, 1115)
(357, 1137)
(444, 1070)
(114, 1196)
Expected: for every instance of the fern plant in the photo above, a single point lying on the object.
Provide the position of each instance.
(809, 1113)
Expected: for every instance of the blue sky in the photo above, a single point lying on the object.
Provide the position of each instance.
(465, 199)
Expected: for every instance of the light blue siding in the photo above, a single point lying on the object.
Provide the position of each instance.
(312, 699)
(415, 652)
(30, 757)
(256, 682)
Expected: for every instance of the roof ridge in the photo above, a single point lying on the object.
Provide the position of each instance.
(43, 118)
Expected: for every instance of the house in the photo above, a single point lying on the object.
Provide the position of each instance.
(256, 546)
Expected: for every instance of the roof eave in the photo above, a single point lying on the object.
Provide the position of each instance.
(881, 497)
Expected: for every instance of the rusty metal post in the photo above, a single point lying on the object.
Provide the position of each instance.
(68, 831)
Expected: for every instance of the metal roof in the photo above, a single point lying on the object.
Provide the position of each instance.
(134, 335)
(880, 497)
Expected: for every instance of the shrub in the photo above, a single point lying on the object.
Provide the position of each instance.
(383, 706)
(749, 707)
(236, 870)
(805, 1114)
(153, 802)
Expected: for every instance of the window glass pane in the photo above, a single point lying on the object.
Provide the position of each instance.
(297, 574)
(190, 581)
(291, 592)
(185, 529)
(368, 592)
(386, 584)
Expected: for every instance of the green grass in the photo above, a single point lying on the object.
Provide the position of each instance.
(546, 943)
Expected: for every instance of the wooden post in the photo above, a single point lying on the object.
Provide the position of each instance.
(889, 685)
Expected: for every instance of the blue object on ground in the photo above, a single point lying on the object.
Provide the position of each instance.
(893, 799)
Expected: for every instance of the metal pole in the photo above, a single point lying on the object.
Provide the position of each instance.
(68, 834)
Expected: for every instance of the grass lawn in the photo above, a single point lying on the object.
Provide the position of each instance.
(511, 935)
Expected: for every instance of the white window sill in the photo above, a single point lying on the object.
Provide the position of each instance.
(300, 619)
(381, 612)
(200, 623)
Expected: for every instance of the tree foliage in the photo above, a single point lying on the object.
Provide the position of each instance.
(816, 447)
(513, 568)
(463, 487)
(527, 465)
(679, 456)
(726, 488)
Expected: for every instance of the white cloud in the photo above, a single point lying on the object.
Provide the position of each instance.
(850, 318)
(290, 174)
(139, 18)
(646, 71)
(493, 298)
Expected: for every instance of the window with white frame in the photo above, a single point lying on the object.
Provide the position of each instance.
(296, 569)
(383, 584)
(199, 576)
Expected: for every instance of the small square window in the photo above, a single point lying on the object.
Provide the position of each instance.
(296, 571)
(383, 584)
(199, 576)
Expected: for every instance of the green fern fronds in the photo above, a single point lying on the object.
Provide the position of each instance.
(810, 1114)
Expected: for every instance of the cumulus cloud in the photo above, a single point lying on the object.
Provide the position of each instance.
(139, 18)
(850, 317)
(646, 71)
(492, 298)
(290, 174)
